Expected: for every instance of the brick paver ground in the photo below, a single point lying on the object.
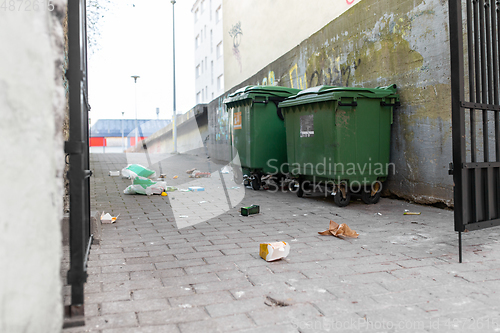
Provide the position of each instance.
(401, 275)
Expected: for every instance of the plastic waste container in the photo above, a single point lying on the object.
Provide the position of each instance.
(257, 131)
(339, 138)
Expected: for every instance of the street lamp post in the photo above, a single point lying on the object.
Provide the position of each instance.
(174, 129)
(135, 88)
(123, 143)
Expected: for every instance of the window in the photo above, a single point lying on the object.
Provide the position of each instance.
(196, 15)
(198, 71)
(202, 6)
(206, 64)
(202, 95)
(197, 41)
(212, 72)
(220, 82)
(206, 92)
(202, 67)
(219, 50)
(198, 98)
(205, 31)
(218, 14)
(211, 42)
(201, 36)
(210, 9)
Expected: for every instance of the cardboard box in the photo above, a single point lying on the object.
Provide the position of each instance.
(274, 251)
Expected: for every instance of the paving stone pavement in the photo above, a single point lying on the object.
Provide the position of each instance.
(401, 275)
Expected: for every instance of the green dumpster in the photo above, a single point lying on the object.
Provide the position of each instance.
(257, 131)
(338, 139)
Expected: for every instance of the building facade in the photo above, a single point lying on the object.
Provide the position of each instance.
(209, 50)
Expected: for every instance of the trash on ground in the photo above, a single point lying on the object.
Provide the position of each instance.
(411, 213)
(141, 185)
(175, 177)
(234, 187)
(164, 194)
(201, 202)
(253, 209)
(225, 169)
(162, 176)
(184, 190)
(107, 218)
(183, 216)
(190, 170)
(339, 230)
(133, 170)
(114, 173)
(170, 189)
(196, 188)
(274, 251)
(380, 214)
(199, 174)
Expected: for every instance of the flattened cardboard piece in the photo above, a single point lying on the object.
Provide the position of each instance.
(339, 230)
(274, 251)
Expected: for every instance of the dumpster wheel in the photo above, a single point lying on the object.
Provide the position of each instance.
(256, 182)
(371, 195)
(342, 195)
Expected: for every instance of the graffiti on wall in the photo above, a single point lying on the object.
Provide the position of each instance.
(269, 79)
(235, 32)
(300, 83)
(222, 119)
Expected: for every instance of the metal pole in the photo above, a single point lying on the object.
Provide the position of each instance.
(460, 247)
(174, 129)
(135, 88)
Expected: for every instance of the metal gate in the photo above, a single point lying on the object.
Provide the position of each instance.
(77, 148)
(475, 47)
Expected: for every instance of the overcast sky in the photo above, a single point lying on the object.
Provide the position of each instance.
(138, 41)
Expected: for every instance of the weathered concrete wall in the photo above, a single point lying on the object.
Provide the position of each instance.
(377, 43)
(32, 160)
(257, 33)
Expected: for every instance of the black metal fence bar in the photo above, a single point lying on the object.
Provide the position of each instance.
(477, 180)
(78, 150)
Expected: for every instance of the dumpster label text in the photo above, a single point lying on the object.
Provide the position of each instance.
(237, 120)
(307, 126)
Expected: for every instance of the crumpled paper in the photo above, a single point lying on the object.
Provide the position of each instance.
(339, 230)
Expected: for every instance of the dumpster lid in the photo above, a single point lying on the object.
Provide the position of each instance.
(250, 92)
(329, 93)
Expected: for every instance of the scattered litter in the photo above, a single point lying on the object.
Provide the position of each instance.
(321, 291)
(380, 214)
(107, 218)
(280, 232)
(407, 210)
(184, 190)
(175, 177)
(183, 217)
(411, 213)
(305, 214)
(170, 189)
(185, 306)
(294, 240)
(225, 169)
(162, 176)
(133, 170)
(114, 173)
(234, 187)
(196, 188)
(141, 185)
(164, 194)
(274, 302)
(201, 202)
(190, 170)
(274, 251)
(199, 174)
(187, 288)
(239, 293)
(294, 215)
(253, 209)
(339, 230)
